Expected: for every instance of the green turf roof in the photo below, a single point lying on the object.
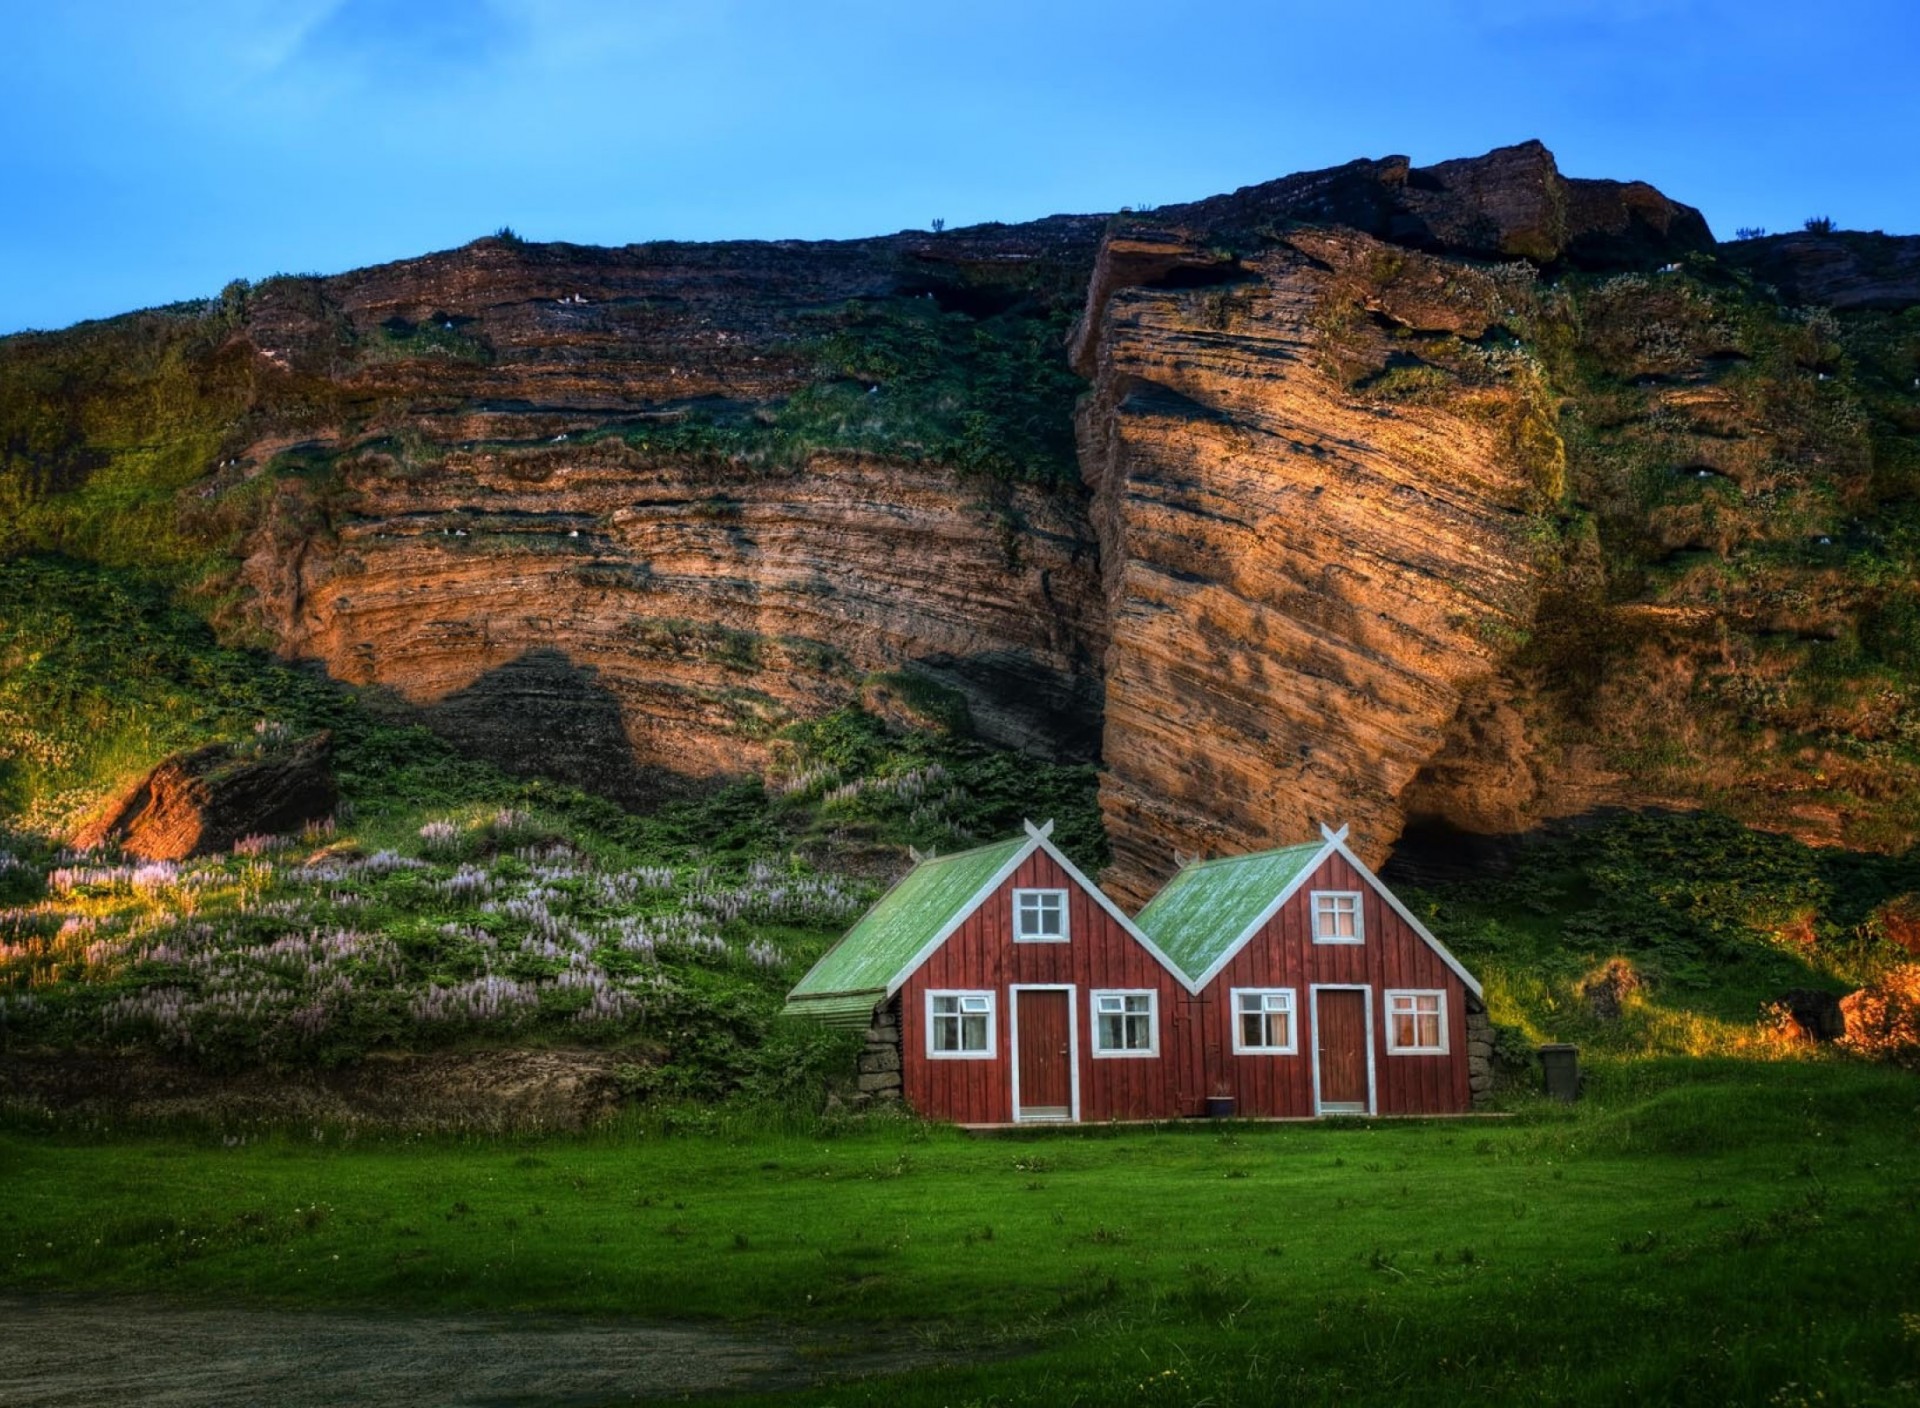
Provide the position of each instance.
(1200, 912)
(853, 1010)
(891, 934)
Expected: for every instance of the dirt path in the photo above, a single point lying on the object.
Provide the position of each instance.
(70, 1353)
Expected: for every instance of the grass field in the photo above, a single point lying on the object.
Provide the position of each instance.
(1694, 1231)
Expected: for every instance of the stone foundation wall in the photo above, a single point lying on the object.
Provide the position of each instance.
(878, 1070)
(1479, 1052)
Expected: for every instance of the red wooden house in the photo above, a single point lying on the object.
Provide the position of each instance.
(1316, 991)
(993, 972)
(999, 985)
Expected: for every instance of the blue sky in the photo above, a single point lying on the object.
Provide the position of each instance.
(152, 152)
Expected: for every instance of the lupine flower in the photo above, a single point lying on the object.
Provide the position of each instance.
(439, 835)
(469, 882)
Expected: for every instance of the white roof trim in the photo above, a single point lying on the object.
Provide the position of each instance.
(960, 915)
(1037, 841)
(1459, 969)
(1336, 843)
(1260, 922)
(1116, 913)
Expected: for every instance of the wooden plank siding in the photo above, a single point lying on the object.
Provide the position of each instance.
(1196, 1057)
(1283, 955)
(982, 955)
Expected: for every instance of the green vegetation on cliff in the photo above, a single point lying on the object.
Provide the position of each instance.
(103, 426)
(1725, 515)
(905, 378)
(1731, 614)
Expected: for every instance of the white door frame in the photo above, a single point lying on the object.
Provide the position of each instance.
(1366, 1003)
(1073, 1048)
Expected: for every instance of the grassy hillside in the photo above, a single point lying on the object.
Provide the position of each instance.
(1672, 934)
(447, 903)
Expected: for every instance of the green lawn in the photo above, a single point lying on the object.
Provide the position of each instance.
(1693, 1232)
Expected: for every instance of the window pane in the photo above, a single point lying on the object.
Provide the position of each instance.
(1139, 1002)
(1252, 1029)
(1041, 914)
(1110, 1034)
(975, 1003)
(1110, 1003)
(946, 1034)
(1139, 1034)
(1403, 1029)
(946, 1004)
(973, 1034)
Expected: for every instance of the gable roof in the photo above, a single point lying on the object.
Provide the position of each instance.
(921, 912)
(1202, 915)
(1209, 912)
(927, 903)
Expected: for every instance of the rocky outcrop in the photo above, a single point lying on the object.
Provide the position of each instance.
(1815, 1015)
(200, 803)
(1844, 269)
(1302, 584)
(1511, 203)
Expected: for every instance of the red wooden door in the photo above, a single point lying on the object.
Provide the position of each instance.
(1046, 1069)
(1340, 1020)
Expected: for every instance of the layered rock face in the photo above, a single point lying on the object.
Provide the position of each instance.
(202, 802)
(625, 624)
(550, 506)
(1845, 269)
(1315, 530)
(1300, 585)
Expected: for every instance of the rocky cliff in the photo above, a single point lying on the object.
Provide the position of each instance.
(619, 515)
(1302, 584)
(1462, 495)
(1472, 495)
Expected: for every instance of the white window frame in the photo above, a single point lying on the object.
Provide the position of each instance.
(1314, 911)
(1020, 937)
(1292, 1048)
(992, 1014)
(1123, 1053)
(1393, 1047)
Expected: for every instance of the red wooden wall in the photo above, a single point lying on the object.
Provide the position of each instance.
(981, 954)
(1283, 955)
(1196, 1038)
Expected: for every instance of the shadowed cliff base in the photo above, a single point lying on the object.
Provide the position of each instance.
(542, 714)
